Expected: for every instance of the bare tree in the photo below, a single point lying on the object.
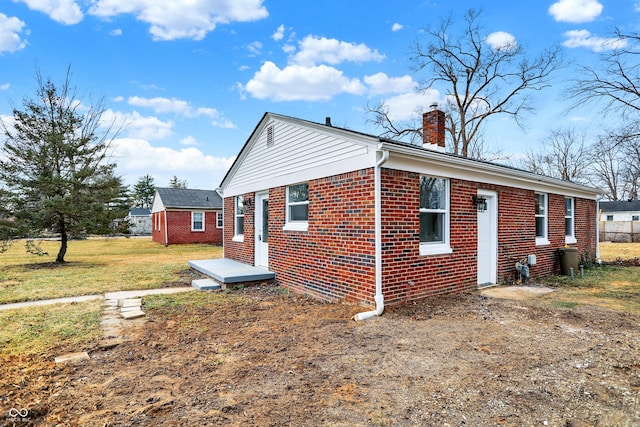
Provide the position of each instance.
(606, 160)
(616, 80)
(480, 80)
(565, 155)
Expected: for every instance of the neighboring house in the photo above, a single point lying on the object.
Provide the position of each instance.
(346, 216)
(139, 221)
(620, 221)
(180, 215)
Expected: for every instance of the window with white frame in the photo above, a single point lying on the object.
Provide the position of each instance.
(609, 217)
(298, 206)
(541, 219)
(197, 221)
(569, 220)
(434, 215)
(635, 217)
(239, 217)
(219, 220)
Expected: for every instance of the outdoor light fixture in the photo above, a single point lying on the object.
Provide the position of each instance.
(480, 202)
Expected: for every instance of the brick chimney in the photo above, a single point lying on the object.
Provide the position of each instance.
(433, 129)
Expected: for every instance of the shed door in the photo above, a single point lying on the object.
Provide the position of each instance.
(488, 240)
(262, 230)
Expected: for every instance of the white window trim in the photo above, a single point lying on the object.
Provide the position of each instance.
(544, 240)
(440, 248)
(569, 239)
(193, 213)
(295, 225)
(219, 220)
(237, 237)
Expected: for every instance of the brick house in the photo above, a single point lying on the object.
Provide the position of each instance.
(180, 215)
(346, 216)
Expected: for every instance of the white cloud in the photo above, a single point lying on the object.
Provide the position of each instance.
(66, 12)
(315, 50)
(255, 48)
(116, 32)
(279, 33)
(191, 19)
(583, 38)
(396, 27)
(136, 157)
(189, 140)
(137, 126)
(10, 38)
(5, 86)
(380, 83)
(183, 108)
(300, 83)
(411, 105)
(177, 106)
(575, 11)
(501, 41)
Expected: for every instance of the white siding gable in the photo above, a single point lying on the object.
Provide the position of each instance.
(283, 152)
(157, 206)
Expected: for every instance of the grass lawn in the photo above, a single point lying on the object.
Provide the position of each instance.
(94, 266)
(99, 265)
(610, 251)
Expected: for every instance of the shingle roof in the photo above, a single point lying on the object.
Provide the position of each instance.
(139, 211)
(188, 198)
(621, 206)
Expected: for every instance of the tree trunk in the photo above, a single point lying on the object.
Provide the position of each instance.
(63, 246)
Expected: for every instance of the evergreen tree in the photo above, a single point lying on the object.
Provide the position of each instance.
(54, 169)
(177, 183)
(143, 192)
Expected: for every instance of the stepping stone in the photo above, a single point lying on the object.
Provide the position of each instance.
(132, 302)
(133, 314)
(205, 284)
(72, 358)
(135, 308)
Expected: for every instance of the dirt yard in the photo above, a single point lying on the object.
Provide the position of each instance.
(282, 360)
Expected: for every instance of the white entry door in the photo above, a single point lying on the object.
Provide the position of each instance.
(488, 239)
(262, 230)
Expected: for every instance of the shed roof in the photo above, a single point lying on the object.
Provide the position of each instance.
(139, 212)
(187, 198)
(621, 206)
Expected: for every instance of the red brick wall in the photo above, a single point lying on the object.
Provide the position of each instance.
(240, 251)
(406, 274)
(179, 228)
(335, 258)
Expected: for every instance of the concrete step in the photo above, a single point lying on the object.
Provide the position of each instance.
(205, 284)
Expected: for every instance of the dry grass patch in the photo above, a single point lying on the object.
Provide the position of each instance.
(610, 252)
(48, 330)
(94, 266)
(616, 288)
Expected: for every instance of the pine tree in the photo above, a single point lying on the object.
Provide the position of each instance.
(54, 169)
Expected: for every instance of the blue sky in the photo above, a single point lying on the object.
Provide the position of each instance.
(190, 79)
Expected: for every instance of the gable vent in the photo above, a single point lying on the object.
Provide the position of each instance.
(269, 136)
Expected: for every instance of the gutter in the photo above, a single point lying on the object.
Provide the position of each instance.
(379, 297)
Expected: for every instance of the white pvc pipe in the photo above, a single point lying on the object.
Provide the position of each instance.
(379, 297)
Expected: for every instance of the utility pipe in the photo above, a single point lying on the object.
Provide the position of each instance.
(379, 298)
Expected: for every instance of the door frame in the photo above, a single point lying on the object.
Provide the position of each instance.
(492, 209)
(258, 248)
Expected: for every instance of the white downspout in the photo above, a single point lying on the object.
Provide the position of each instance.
(379, 298)
(598, 230)
(166, 231)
